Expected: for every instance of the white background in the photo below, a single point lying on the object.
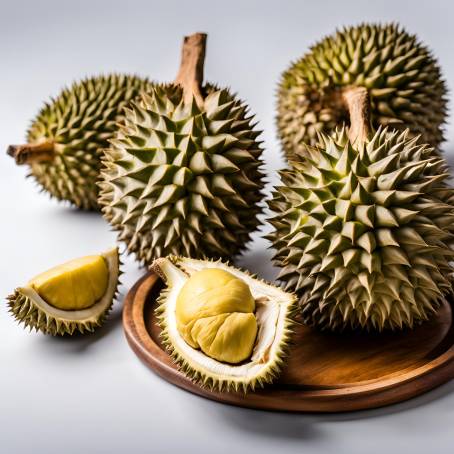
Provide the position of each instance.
(91, 394)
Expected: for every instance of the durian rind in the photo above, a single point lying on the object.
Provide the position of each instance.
(30, 309)
(184, 179)
(208, 372)
(403, 78)
(81, 120)
(365, 237)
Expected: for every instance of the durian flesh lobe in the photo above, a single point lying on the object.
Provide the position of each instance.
(402, 77)
(365, 236)
(77, 284)
(274, 311)
(73, 297)
(182, 178)
(78, 124)
(215, 313)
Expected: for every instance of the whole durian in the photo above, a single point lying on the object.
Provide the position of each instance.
(66, 139)
(182, 176)
(73, 297)
(400, 74)
(364, 228)
(225, 329)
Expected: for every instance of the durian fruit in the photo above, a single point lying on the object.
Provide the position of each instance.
(66, 139)
(73, 297)
(402, 77)
(183, 175)
(226, 330)
(364, 228)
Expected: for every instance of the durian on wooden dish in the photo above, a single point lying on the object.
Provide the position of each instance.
(225, 329)
(402, 77)
(364, 227)
(73, 297)
(182, 176)
(66, 139)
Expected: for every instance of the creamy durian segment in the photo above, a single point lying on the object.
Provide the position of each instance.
(74, 296)
(76, 284)
(225, 329)
(215, 313)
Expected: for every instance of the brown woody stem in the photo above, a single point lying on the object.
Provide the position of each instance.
(32, 152)
(357, 101)
(190, 74)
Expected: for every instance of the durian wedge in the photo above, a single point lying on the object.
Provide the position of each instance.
(73, 297)
(274, 313)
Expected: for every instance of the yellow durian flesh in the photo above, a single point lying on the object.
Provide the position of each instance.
(215, 313)
(74, 285)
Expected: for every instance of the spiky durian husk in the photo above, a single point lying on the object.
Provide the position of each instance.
(181, 179)
(221, 383)
(32, 315)
(80, 121)
(365, 237)
(403, 79)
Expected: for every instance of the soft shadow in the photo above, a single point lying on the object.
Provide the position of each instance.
(63, 210)
(297, 426)
(78, 342)
(429, 397)
(448, 154)
(258, 262)
(305, 425)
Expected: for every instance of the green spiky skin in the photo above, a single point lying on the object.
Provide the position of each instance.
(31, 316)
(81, 121)
(365, 237)
(403, 79)
(181, 179)
(216, 383)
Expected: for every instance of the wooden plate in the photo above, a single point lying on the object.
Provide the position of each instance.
(325, 372)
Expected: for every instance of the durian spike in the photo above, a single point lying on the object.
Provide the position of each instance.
(32, 152)
(357, 102)
(190, 74)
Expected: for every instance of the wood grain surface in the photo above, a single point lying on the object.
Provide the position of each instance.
(325, 372)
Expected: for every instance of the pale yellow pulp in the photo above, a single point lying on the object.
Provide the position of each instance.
(75, 285)
(215, 313)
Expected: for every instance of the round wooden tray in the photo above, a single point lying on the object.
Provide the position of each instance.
(325, 372)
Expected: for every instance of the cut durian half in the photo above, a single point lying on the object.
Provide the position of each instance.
(73, 297)
(274, 311)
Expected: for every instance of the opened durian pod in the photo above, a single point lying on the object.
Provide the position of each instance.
(402, 77)
(182, 176)
(73, 297)
(224, 328)
(66, 139)
(364, 227)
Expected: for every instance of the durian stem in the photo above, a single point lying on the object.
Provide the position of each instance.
(357, 102)
(190, 74)
(32, 152)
